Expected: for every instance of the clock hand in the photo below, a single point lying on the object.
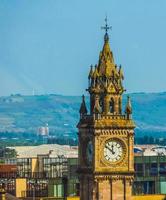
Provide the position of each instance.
(113, 149)
(110, 149)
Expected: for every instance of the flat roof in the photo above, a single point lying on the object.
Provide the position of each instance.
(55, 150)
(51, 150)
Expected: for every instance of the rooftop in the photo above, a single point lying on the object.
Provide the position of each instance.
(55, 150)
(51, 150)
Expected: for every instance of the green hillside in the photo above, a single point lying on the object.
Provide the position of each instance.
(21, 116)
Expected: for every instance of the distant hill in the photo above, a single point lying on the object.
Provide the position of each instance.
(20, 116)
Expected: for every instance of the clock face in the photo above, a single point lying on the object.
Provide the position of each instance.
(89, 151)
(113, 150)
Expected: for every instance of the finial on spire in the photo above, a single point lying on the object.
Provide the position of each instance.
(91, 72)
(106, 28)
(83, 109)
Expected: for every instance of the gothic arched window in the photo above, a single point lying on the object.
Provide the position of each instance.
(112, 105)
(120, 106)
(101, 104)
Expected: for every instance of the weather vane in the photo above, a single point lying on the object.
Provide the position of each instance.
(106, 27)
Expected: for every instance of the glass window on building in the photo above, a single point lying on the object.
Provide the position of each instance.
(139, 169)
(162, 169)
(24, 167)
(138, 188)
(55, 167)
(147, 169)
(163, 187)
(58, 190)
(11, 161)
(149, 187)
(143, 187)
(153, 169)
(73, 187)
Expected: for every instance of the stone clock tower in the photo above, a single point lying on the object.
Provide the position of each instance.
(106, 135)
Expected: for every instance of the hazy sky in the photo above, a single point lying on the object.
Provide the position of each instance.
(48, 45)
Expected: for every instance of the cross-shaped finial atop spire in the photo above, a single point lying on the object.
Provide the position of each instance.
(106, 27)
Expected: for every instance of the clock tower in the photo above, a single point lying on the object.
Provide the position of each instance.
(106, 134)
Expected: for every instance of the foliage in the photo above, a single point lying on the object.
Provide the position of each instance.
(7, 153)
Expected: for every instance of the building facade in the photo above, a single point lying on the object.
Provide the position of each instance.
(150, 171)
(58, 178)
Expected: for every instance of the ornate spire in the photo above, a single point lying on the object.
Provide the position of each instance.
(128, 109)
(106, 60)
(105, 81)
(83, 109)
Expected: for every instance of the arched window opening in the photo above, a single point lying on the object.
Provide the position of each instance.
(101, 104)
(120, 106)
(112, 105)
(96, 81)
(92, 82)
(113, 74)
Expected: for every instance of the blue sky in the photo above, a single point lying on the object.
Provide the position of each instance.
(48, 45)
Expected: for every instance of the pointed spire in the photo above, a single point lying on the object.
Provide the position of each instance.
(91, 72)
(106, 60)
(106, 37)
(128, 109)
(95, 74)
(83, 109)
(121, 72)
